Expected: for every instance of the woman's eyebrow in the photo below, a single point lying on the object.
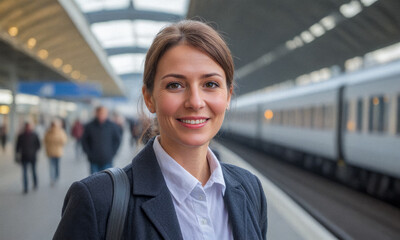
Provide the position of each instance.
(207, 75)
(174, 75)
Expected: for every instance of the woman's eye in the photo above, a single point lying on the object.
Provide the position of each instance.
(173, 85)
(211, 85)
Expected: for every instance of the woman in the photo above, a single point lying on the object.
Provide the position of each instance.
(179, 189)
(54, 141)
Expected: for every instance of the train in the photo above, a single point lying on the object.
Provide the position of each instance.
(346, 128)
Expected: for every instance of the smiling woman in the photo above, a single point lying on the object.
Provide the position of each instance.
(179, 188)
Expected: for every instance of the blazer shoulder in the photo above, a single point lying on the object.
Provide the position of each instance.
(237, 173)
(100, 186)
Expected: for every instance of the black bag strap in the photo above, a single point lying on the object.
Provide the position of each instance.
(121, 192)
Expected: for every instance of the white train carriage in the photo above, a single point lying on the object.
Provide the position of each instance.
(304, 119)
(371, 129)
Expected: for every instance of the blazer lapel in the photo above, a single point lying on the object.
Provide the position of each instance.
(149, 181)
(235, 200)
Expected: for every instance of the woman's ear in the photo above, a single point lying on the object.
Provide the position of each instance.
(229, 96)
(148, 100)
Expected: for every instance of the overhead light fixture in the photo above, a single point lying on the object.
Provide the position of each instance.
(290, 45)
(328, 22)
(307, 36)
(31, 43)
(67, 68)
(43, 53)
(368, 3)
(317, 30)
(350, 9)
(57, 62)
(297, 40)
(75, 75)
(13, 31)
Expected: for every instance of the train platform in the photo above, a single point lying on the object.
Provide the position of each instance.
(36, 215)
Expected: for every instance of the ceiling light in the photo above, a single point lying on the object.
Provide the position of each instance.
(31, 43)
(290, 45)
(13, 31)
(297, 40)
(367, 3)
(75, 75)
(67, 68)
(350, 9)
(317, 30)
(43, 54)
(328, 22)
(57, 62)
(307, 36)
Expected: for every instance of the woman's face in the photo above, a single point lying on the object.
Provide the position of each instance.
(190, 97)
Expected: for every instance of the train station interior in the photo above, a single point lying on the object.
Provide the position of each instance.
(315, 112)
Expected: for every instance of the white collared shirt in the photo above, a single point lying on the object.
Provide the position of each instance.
(200, 210)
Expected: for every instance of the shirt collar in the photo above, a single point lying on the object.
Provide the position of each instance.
(179, 181)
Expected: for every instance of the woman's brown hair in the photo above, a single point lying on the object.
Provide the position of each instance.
(192, 33)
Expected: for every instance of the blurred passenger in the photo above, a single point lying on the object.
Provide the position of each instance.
(179, 188)
(77, 132)
(3, 136)
(26, 150)
(54, 141)
(100, 141)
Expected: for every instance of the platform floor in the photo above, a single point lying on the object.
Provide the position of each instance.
(35, 216)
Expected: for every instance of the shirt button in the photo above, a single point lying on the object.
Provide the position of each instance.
(204, 221)
(200, 197)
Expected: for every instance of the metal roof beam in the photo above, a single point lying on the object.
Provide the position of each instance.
(130, 14)
(125, 50)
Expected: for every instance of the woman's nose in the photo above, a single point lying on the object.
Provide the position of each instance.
(194, 99)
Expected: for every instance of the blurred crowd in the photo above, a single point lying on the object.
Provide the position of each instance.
(96, 140)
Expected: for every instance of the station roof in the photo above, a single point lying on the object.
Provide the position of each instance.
(50, 40)
(274, 41)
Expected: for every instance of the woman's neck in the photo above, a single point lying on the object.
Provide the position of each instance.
(192, 159)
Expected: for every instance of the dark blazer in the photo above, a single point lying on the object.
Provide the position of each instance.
(151, 213)
(101, 141)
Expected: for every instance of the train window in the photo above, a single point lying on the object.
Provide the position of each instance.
(386, 110)
(345, 115)
(329, 117)
(318, 117)
(307, 117)
(292, 117)
(298, 118)
(359, 114)
(377, 113)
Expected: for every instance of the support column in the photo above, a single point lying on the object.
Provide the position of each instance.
(13, 109)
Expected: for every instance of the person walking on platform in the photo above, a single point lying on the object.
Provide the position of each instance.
(100, 141)
(179, 190)
(77, 132)
(3, 135)
(54, 141)
(26, 149)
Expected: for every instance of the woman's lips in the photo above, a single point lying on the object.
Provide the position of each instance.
(193, 122)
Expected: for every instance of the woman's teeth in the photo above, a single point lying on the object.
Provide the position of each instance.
(194, 121)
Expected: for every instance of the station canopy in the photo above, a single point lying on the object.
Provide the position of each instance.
(50, 40)
(126, 28)
(275, 41)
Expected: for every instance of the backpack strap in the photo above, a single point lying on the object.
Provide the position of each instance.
(121, 192)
